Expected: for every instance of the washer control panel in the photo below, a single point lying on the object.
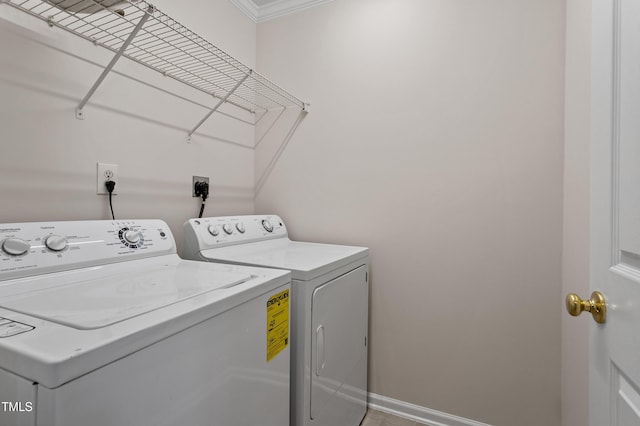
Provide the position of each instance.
(214, 232)
(34, 248)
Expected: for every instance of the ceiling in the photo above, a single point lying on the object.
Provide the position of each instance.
(263, 10)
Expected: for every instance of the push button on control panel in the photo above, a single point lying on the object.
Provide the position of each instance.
(10, 328)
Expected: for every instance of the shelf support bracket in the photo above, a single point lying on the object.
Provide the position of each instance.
(220, 102)
(109, 67)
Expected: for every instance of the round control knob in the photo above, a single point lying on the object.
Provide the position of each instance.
(131, 236)
(15, 246)
(214, 230)
(267, 225)
(56, 242)
(240, 227)
(228, 229)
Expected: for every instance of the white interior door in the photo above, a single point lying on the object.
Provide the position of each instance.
(614, 381)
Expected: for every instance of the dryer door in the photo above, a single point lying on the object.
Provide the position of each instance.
(339, 317)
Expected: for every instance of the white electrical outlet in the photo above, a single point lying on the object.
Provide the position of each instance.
(106, 172)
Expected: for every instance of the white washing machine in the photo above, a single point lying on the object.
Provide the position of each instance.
(102, 324)
(329, 327)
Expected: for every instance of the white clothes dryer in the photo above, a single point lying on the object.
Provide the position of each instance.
(102, 324)
(329, 327)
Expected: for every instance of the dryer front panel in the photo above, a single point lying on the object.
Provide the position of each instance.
(339, 321)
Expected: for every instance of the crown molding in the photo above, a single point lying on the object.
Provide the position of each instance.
(274, 9)
(247, 7)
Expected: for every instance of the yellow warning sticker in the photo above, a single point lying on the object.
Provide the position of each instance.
(277, 323)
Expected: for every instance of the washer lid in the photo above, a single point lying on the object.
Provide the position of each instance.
(82, 303)
(144, 301)
(306, 261)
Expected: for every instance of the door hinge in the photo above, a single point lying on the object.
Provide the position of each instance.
(366, 276)
(365, 341)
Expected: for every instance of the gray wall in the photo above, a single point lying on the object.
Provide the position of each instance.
(436, 139)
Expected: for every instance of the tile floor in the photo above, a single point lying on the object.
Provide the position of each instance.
(378, 418)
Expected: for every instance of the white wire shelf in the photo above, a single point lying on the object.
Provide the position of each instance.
(140, 32)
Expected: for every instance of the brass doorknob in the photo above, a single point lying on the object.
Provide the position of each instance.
(596, 305)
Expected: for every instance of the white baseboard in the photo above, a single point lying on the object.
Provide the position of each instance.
(417, 413)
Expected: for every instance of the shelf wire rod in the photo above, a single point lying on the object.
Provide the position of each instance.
(257, 92)
(107, 30)
(195, 66)
(205, 45)
(210, 75)
(263, 95)
(69, 6)
(109, 34)
(111, 31)
(94, 19)
(274, 88)
(181, 71)
(114, 26)
(192, 63)
(93, 22)
(245, 106)
(149, 44)
(89, 29)
(277, 89)
(113, 61)
(164, 54)
(107, 38)
(220, 102)
(195, 76)
(48, 8)
(196, 40)
(163, 58)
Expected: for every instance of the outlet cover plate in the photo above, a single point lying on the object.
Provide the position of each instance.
(106, 172)
(198, 179)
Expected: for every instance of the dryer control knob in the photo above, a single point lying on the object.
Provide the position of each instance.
(214, 230)
(56, 242)
(131, 236)
(267, 225)
(15, 246)
(227, 228)
(240, 227)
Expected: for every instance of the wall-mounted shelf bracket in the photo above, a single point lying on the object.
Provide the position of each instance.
(220, 102)
(112, 63)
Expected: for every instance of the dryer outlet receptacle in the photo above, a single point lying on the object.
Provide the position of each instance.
(196, 180)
